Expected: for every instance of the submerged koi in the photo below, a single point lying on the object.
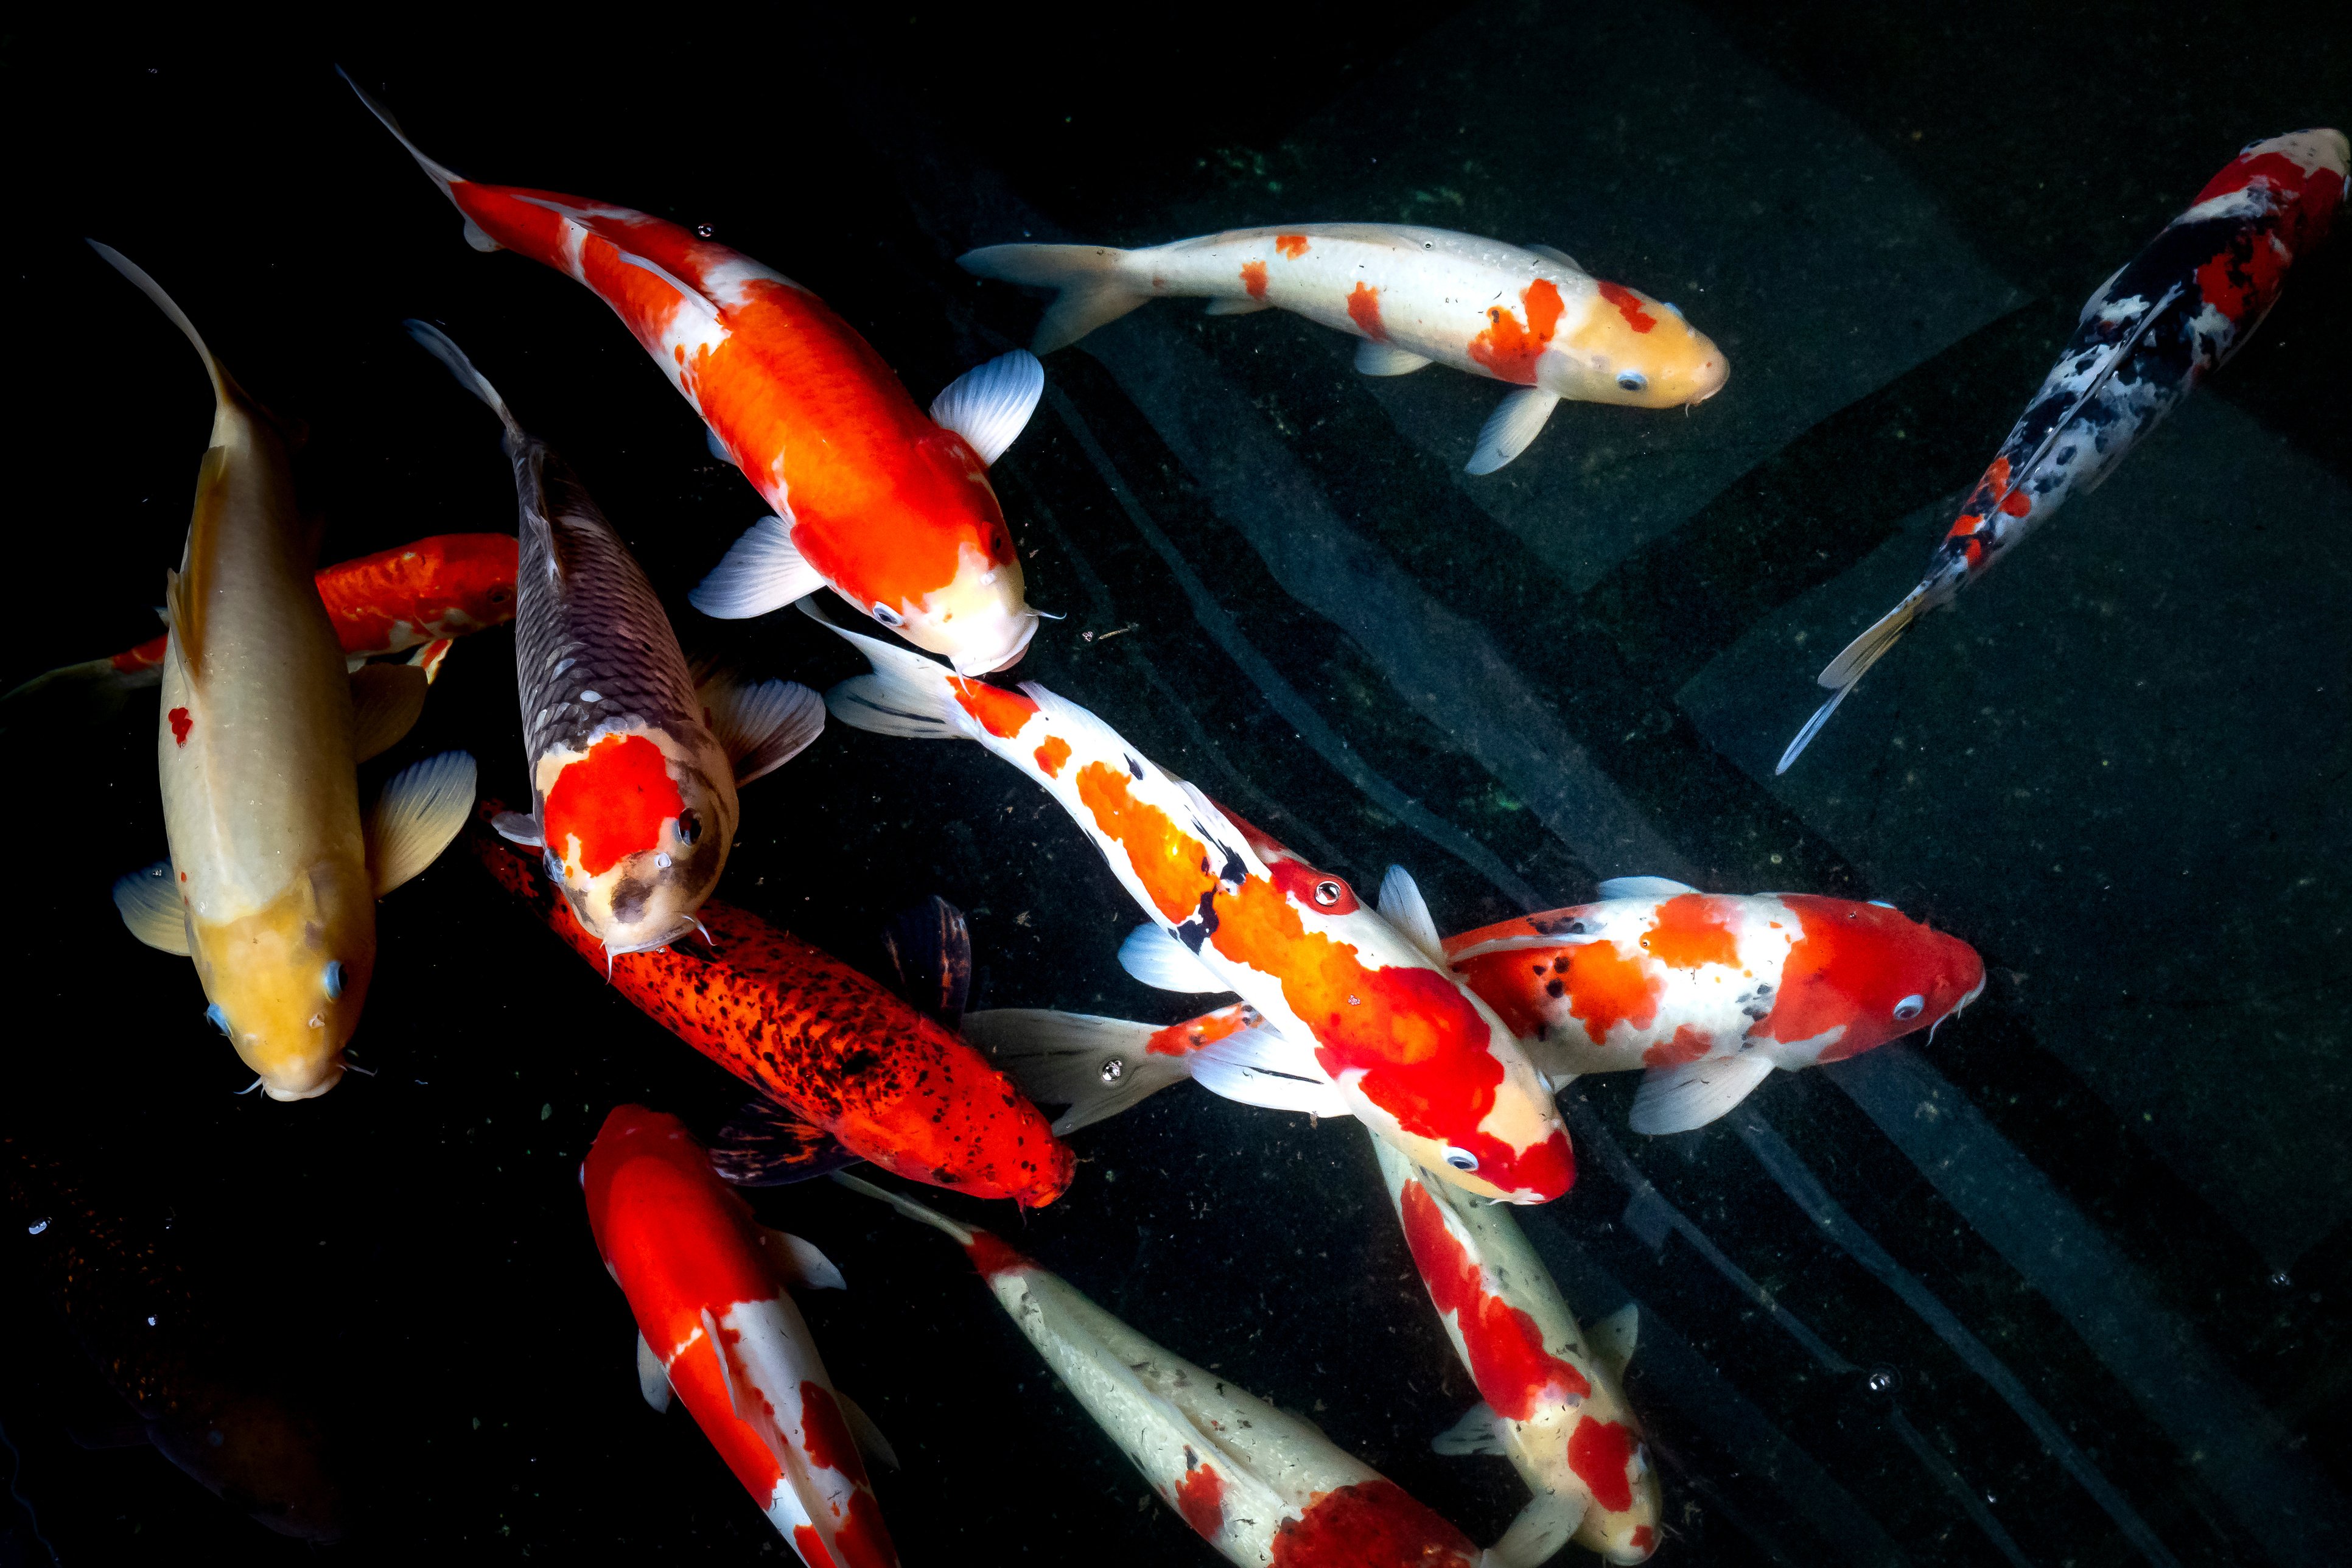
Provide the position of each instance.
(868, 1074)
(2167, 319)
(1525, 315)
(1707, 993)
(1552, 1401)
(706, 1283)
(1368, 1025)
(390, 602)
(890, 508)
(1266, 1488)
(272, 882)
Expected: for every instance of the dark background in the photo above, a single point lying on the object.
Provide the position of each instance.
(2122, 1179)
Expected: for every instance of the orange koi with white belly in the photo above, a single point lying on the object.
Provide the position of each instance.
(887, 506)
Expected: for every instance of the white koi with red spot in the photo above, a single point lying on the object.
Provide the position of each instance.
(1527, 316)
(1366, 1022)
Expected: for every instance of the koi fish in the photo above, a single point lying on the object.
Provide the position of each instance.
(271, 884)
(1530, 316)
(1707, 993)
(888, 508)
(1262, 1486)
(1552, 1400)
(426, 593)
(707, 1284)
(1366, 1024)
(864, 1074)
(633, 768)
(2166, 319)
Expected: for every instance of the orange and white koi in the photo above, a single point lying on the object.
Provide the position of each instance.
(1552, 1399)
(1527, 316)
(707, 1284)
(422, 594)
(272, 882)
(888, 506)
(1266, 1488)
(1366, 1022)
(1706, 993)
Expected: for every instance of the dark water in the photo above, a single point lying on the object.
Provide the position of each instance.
(2067, 1287)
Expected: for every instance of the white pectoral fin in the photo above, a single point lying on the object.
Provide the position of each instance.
(516, 828)
(1678, 1099)
(1155, 957)
(387, 701)
(1511, 428)
(1264, 1067)
(990, 404)
(422, 808)
(1543, 1529)
(1612, 1337)
(1401, 905)
(1480, 1431)
(1643, 888)
(798, 1262)
(717, 448)
(653, 1378)
(1097, 1067)
(865, 1434)
(1242, 306)
(148, 900)
(1386, 359)
(761, 572)
(1555, 253)
(762, 727)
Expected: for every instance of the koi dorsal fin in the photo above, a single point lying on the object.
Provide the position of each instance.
(1401, 905)
(1643, 888)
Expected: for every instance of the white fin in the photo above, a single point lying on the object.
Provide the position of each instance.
(387, 701)
(1543, 1527)
(1480, 1431)
(798, 1262)
(990, 404)
(760, 572)
(440, 176)
(1241, 307)
(761, 728)
(1386, 359)
(148, 900)
(1152, 955)
(479, 239)
(1401, 905)
(162, 301)
(1612, 1338)
(516, 828)
(717, 448)
(1514, 422)
(1554, 253)
(435, 342)
(1841, 673)
(1230, 1079)
(1643, 888)
(961, 1235)
(904, 694)
(865, 1433)
(421, 809)
(1678, 1099)
(1097, 1067)
(1089, 280)
(653, 1378)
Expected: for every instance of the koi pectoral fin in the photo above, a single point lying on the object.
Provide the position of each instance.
(1241, 307)
(1540, 1532)
(1678, 1099)
(1480, 1431)
(762, 571)
(1097, 1067)
(1386, 359)
(516, 829)
(764, 1145)
(149, 900)
(989, 406)
(930, 947)
(387, 701)
(800, 1263)
(1612, 1337)
(865, 1433)
(422, 808)
(761, 728)
(1401, 905)
(1157, 959)
(653, 1378)
(1511, 428)
(717, 448)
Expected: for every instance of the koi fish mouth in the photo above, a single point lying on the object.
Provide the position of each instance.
(972, 665)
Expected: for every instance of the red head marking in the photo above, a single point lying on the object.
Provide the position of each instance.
(1601, 1453)
(1364, 310)
(614, 800)
(181, 725)
(1253, 278)
(1857, 964)
(1292, 245)
(1509, 349)
(1628, 305)
(1514, 1373)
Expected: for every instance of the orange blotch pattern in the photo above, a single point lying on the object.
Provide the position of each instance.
(1628, 305)
(1253, 278)
(1000, 712)
(1509, 348)
(1606, 987)
(612, 802)
(1364, 310)
(1201, 1498)
(1182, 1039)
(1600, 1453)
(1053, 754)
(1692, 928)
(1292, 245)
(1687, 1046)
(1171, 863)
(1513, 1371)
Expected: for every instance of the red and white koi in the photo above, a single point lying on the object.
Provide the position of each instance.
(886, 506)
(1366, 1022)
(1553, 1400)
(1706, 993)
(707, 1284)
(1266, 1488)
(2167, 319)
(1527, 316)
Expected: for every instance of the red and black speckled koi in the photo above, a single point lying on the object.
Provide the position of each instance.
(2168, 317)
(824, 1042)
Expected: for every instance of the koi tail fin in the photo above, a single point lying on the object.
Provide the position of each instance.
(78, 694)
(1846, 669)
(441, 175)
(961, 1234)
(435, 342)
(225, 387)
(1097, 1067)
(1091, 283)
(904, 694)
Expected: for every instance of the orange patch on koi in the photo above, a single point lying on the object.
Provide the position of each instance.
(1172, 865)
(612, 802)
(1292, 245)
(1053, 754)
(1628, 305)
(1509, 349)
(1000, 712)
(1690, 930)
(1608, 986)
(1364, 310)
(1253, 278)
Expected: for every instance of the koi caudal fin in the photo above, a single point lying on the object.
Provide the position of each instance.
(1842, 673)
(440, 174)
(905, 694)
(1092, 288)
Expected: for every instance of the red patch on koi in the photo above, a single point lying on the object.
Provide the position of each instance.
(1000, 712)
(1691, 928)
(1253, 278)
(823, 1434)
(1643, 1538)
(1598, 1452)
(1509, 349)
(1628, 305)
(1201, 1498)
(181, 725)
(2017, 503)
(861, 1537)
(1687, 1046)
(1506, 1349)
(612, 801)
(146, 656)
(1604, 986)
(990, 1256)
(1371, 1521)
(1292, 245)
(1182, 1039)
(1053, 754)
(1364, 310)
(811, 1546)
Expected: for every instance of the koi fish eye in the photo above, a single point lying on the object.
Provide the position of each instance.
(1910, 1007)
(887, 616)
(689, 826)
(219, 1017)
(1632, 380)
(1462, 1160)
(1328, 891)
(333, 980)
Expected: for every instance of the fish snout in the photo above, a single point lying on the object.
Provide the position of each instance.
(308, 1085)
